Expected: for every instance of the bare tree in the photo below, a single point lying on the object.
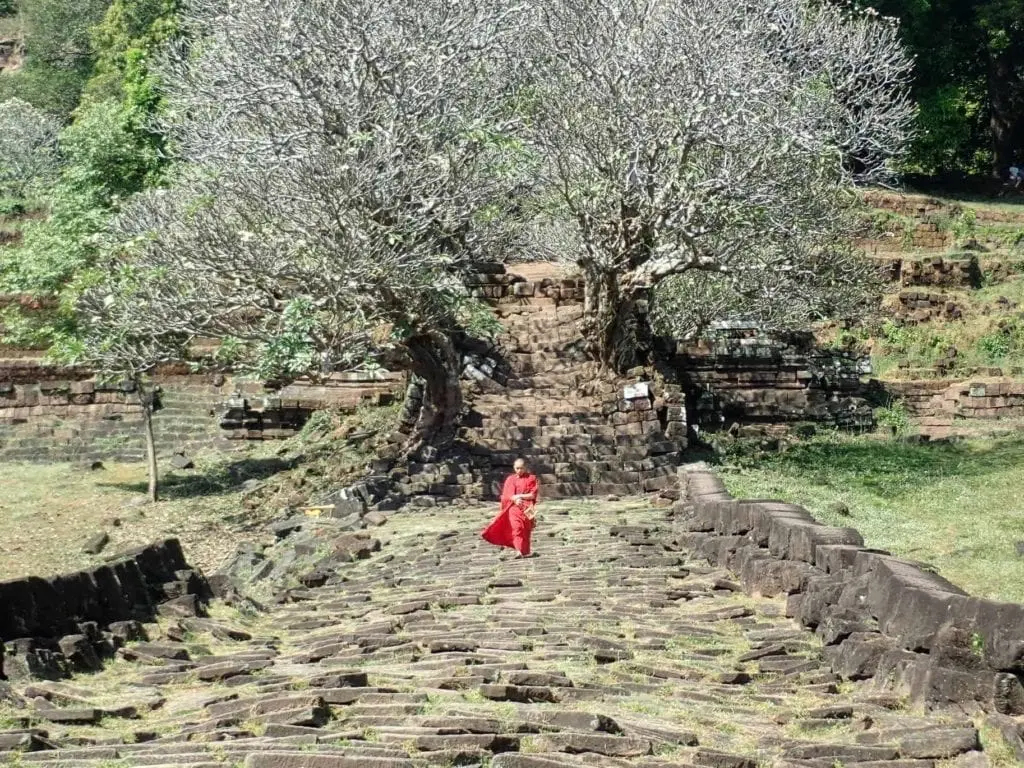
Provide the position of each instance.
(121, 343)
(711, 136)
(345, 162)
(28, 147)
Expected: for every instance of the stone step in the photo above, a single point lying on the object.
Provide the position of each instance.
(477, 420)
(524, 432)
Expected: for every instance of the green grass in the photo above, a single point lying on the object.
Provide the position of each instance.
(48, 511)
(11, 27)
(957, 507)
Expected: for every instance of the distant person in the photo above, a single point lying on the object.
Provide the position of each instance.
(514, 524)
(1016, 175)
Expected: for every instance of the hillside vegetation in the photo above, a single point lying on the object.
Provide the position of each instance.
(954, 301)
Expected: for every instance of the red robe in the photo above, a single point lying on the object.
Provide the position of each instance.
(512, 527)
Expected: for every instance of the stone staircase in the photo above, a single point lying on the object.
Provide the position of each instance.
(536, 394)
(614, 647)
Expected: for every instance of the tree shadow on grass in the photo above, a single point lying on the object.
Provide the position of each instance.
(891, 468)
(211, 481)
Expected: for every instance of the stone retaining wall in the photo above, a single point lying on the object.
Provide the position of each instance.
(67, 623)
(742, 376)
(917, 306)
(878, 616)
(492, 282)
(974, 398)
(52, 413)
(956, 270)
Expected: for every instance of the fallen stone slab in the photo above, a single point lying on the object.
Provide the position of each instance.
(225, 669)
(846, 753)
(659, 733)
(80, 653)
(602, 744)
(24, 741)
(714, 759)
(95, 544)
(449, 646)
(518, 693)
(67, 755)
(78, 716)
(490, 742)
(761, 653)
(340, 679)
(270, 759)
(732, 678)
(515, 760)
(568, 720)
(940, 743)
(172, 651)
(59, 693)
(217, 629)
(538, 679)
(185, 606)
(453, 724)
(412, 606)
(165, 678)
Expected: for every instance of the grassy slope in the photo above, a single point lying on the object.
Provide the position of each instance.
(956, 507)
(991, 332)
(48, 512)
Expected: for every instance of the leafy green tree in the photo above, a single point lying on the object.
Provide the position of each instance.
(58, 53)
(114, 339)
(28, 148)
(111, 151)
(969, 81)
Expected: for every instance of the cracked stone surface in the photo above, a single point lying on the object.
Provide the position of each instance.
(613, 647)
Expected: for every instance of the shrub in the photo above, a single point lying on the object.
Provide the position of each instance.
(894, 416)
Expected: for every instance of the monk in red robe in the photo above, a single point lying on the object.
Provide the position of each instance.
(514, 524)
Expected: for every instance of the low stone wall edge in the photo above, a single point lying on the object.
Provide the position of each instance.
(878, 615)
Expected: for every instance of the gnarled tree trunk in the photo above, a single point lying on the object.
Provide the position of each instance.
(434, 359)
(613, 321)
(1003, 119)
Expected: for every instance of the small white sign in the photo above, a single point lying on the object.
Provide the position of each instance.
(636, 391)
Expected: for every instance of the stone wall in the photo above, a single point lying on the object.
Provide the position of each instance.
(917, 306)
(744, 376)
(878, 616)
(950, 270)
(262, 412)
(52, 627)
(495, 284)
(51, 413)
(975, 398)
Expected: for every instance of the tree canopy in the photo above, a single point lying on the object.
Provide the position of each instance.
(310, 181)
(717, 137)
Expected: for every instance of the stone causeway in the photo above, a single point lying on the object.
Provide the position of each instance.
(717, 632)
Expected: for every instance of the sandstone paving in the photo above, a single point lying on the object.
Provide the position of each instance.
(615, 646)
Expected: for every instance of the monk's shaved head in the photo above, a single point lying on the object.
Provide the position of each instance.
(519, 465)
